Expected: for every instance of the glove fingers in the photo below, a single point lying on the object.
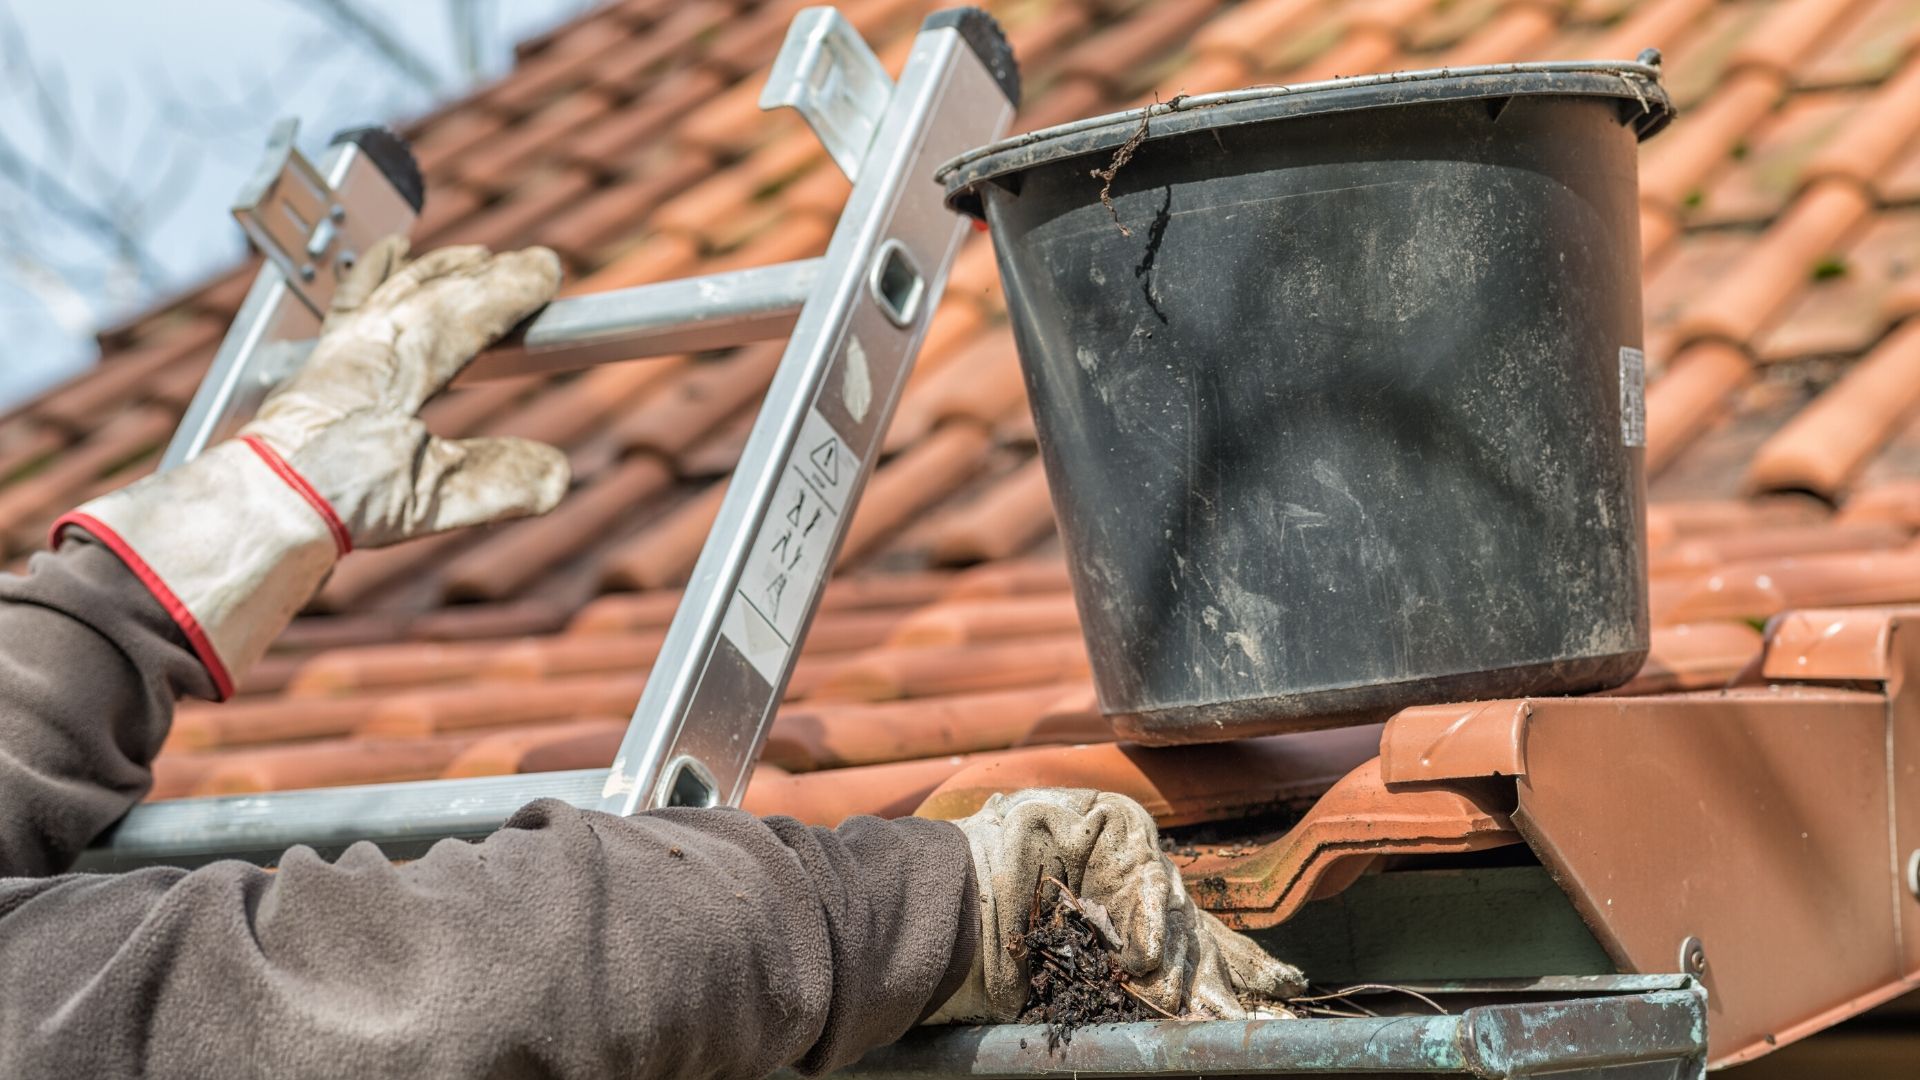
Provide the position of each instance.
(470, 309)
(435, 264)
(1146, 912)
(475, 481)
(1139, 886)
(370, 271)
(1254, 971)
(1212, 998)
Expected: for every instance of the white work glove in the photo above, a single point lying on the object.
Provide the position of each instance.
(235, 542)
(1105, 848)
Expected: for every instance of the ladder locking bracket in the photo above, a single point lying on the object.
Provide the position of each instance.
(828, 74)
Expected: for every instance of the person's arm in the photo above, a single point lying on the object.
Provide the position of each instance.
(90, 665)
(178, 582)
(680, 943)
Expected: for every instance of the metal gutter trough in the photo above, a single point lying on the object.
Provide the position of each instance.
(1613, 1027)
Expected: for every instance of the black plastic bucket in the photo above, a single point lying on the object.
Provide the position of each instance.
(1341, 401)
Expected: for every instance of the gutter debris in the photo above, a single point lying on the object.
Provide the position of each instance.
(1124, 153)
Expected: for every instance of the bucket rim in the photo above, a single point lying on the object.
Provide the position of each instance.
(1633, 80)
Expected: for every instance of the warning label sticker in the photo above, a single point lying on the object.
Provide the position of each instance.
(791, 553)
(1633, 396)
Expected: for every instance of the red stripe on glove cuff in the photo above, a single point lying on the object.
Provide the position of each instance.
(342, 539)
(177, 611)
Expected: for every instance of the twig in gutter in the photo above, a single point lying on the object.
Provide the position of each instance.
(1340, 995)
(1122, 155)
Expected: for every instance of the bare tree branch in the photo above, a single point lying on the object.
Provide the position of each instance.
(371, 33)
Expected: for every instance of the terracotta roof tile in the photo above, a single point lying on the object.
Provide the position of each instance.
(1765, 587)
(1689, 396)
(1696, 262)
(586, 743)
(562, 65)
(821, 192)
(637, 63)
(829, 735)
(1673, 169)
(632, 139)
(1006, 519)
(1363, 50)
(521, 552)
(574, 410)
(1696, 63)
(448, 206)
(1695, 656)
(461, 411)
(788, 237)
(127, 435)
(1178, 785)
(343, 670)
(1893, 503)
(663, 554)
(892, 673)
(442, 142)
(751, 38)
(1669, 520)
(1038, 32)
(980, 383)
(250, 723)
(1446, 24)
(658, 258)
(1788, 32)
(1690, 557)
(1901, 183)
(1824, 446)
(697, 399)
(586, 229)
(1846, 312)
(366, 572)
(516, 220)
(499, 163)
(1868, 48)
(82, 403)
(1519, 31)
(716, 455)
(1112, 52)
(1652, 24)
(907, 485)
(1588, 12)
(1783, 262)
(543, 614)
(1874, 136)
(346, 761)
(579, 750)
(1657, 230)
(1771, 168)
(1207, 74)
(30, 445)
(894, 789)
(1067, 100)
(730, 122)
(429, 712)
(964, 622)
(1249, 29)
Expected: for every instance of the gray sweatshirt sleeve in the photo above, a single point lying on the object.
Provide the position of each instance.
(568, 944)
(90, 665)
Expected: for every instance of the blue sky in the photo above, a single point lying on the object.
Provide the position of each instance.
(168, 105)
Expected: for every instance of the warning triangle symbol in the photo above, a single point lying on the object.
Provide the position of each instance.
(826, 458)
